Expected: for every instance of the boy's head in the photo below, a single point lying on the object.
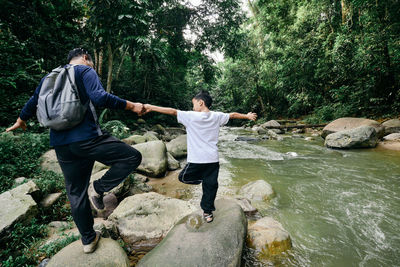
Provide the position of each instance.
(201, 100)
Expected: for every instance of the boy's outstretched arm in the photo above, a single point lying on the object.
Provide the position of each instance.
(168, 111)
(249, 116)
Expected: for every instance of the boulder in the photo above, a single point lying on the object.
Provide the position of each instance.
(173, 164)
(261, 130)
(245, 204)
(98, 166)
(151, 136)
(361, 137)
(154, 158)
(392, 137)
(273, 135)
(17, 205)
(390, 145)
(258, 190)
(134, 139)
(391, 126)
(271, 123)
(193, 242)
(50, 199)
(178, 147)
(277, 131)
(143, 220)
(343, 124)
(158, 128)
(108, 253)
(119, 190)
(49, 162)
(268, 237)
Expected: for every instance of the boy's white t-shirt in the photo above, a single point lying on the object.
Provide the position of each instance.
(202, 134)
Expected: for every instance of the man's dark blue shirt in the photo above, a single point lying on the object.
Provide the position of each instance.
(89, 87)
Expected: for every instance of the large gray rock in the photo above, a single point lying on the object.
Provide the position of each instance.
(268, 237)
(98, 166)
(391, 126)
(361, 137)
(144, 219)
(134, 139)
(49, 162)
(17, 205)
(258, 190)
(193, 242)
(271, 123)
(178, 147)
(173, 164)
(343, 124)
(119, 190)
(151, 136)
(154, 158)
(108, 253)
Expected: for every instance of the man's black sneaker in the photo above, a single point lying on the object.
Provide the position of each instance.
(95, 199)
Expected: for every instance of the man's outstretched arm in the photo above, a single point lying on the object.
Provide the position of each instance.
(168, 111)
(249, 116)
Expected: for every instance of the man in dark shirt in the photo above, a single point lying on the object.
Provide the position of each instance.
(79, 147)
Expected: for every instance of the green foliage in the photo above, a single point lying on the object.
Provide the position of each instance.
(117, 129)
(51, 249)
(16, 243)
(19, 156)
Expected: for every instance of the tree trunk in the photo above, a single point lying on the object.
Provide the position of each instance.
(100, 65)
(122, 61)
(96, 60)
(110, 67)
(345, 11)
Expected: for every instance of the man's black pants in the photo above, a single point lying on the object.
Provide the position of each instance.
(206, 173)
(77, 160)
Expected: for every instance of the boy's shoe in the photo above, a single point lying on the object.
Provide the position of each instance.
(208, 217)
(95, 199)
(89, 248)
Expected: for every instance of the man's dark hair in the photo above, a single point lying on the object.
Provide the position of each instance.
(78, 52)
(205, 96)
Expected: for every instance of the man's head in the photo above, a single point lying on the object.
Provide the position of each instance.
(80, 56)
(202, 100)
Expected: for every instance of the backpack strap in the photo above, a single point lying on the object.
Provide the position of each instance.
(91, 106)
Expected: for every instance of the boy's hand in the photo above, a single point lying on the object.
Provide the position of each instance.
(251, 116)
(18, 124)
(147, 108)
(135, 107)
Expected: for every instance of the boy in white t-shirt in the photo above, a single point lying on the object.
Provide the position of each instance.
(202, 127)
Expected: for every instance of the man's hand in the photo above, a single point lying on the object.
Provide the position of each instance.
(251, 116)
(18, 124)
(135, 107)
(147, 108)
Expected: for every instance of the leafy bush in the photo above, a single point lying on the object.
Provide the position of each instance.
(116, 128)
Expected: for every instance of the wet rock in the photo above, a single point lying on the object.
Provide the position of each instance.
(343, 124)
(193, 242)
(17, 205)
(261, 130)
(391, 126)
(247, 139)
(143, 220)
(392, 137)
(268, 237)
(50, 199)
(50, 162)
(257, 190)
(178, 147)
(273, 135)
(245, 204)
(308, 138)
(134, 139)
(154, 158)
(173, 164)
(361, 137)
(108, 253)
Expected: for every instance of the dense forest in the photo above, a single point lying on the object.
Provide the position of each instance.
(314, 59)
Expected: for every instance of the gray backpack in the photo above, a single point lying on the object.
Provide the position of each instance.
(59, 106)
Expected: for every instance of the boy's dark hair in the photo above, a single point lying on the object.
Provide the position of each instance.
(205, 96)
(78, 52)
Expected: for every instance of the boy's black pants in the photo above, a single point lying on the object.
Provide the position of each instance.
(77, 160)
(196, 173)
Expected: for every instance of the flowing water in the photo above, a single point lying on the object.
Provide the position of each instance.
(341, 207)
